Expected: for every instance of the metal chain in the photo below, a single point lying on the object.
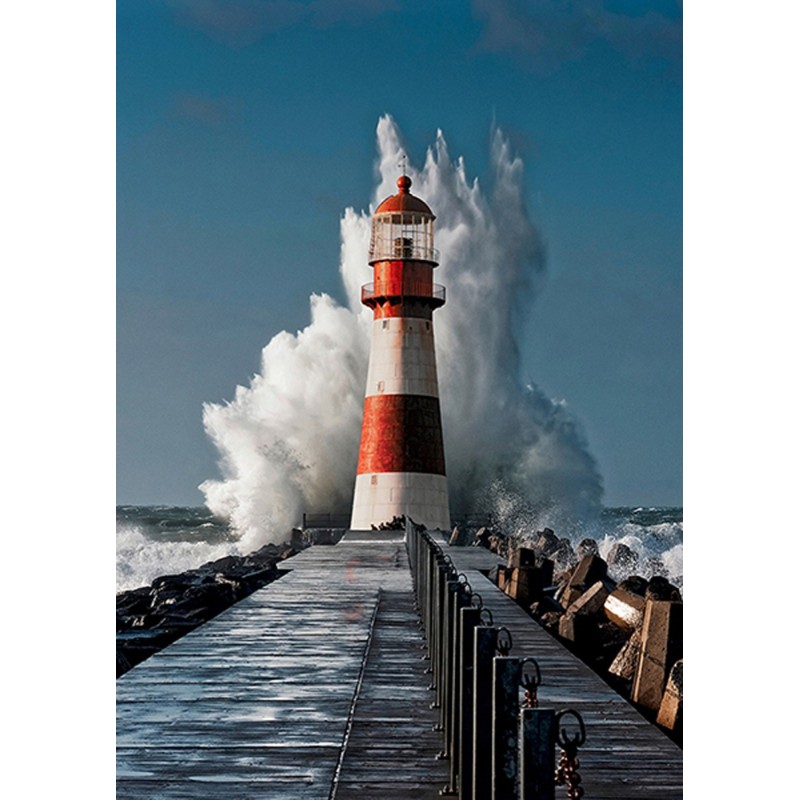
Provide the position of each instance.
(568, 763)
(567, 774)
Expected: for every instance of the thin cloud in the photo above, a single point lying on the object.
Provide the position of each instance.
(208, 111)
(543, 34)
(239, 23)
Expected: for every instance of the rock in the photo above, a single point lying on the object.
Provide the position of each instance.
(564, 556)
(135, 601)
(621, 559)
(587, 547)
(547, 542)
(659, 588)
(655, 566)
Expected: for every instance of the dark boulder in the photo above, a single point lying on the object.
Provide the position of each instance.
(659, 588)
(621, 559)
(587, 547)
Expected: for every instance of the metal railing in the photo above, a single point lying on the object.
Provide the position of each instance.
(325, 520)
(499, 747)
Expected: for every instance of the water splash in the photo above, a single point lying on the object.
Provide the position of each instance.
(289, 441)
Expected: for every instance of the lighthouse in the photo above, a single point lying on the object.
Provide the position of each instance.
(401, 468)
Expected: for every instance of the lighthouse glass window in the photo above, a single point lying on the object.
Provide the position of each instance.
(401, 236)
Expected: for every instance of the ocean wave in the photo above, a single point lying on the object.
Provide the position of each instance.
(141, 558)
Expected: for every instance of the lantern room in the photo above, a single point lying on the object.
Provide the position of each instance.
(402, 228)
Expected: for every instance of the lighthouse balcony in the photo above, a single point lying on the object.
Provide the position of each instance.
(433, 293)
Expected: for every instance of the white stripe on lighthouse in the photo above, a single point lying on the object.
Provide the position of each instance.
(402, 357)
(384, 495)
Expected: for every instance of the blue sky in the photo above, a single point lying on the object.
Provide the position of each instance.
(245, 128)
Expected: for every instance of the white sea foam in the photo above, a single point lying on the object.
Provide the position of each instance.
(140, 559)
(289, 441)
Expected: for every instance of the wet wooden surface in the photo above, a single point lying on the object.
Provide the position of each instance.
(314, 687)
(256, 702)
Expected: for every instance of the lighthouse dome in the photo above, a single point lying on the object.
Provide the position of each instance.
(404, 200)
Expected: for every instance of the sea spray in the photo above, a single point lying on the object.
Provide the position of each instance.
(289, 441)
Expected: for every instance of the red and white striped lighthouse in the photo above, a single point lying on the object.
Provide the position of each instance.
(401, 460)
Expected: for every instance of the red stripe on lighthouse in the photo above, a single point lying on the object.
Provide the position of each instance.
(401, 433)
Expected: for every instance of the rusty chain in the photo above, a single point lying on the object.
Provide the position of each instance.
(568, 763)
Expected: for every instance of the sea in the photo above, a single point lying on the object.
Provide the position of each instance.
(165, 540)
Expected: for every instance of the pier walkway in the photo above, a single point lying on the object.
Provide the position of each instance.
(314, 687)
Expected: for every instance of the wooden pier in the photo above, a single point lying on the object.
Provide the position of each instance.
(315, 687)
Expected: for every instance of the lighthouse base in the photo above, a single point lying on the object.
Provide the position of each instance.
(379, 497)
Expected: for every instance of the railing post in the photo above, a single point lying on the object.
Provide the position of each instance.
(537, 755)
(485, 648)
(470, 619)
(506, 679)
(462, 597)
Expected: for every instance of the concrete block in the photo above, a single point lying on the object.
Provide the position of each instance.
(526, 584)
(589, 570)
(522, 557)
(662, 646)
(503, 578)
(577, 624)
(577, 628)
(591, 601)
(624, 609)
(624, 665)
(670, 712)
